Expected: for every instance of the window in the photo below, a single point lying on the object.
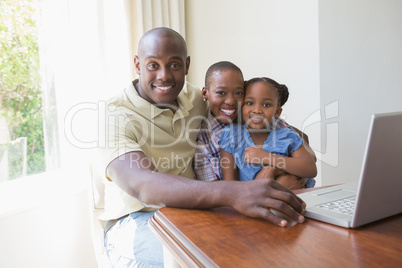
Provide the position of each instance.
(59, 61)
(55, 56)
(21, 118)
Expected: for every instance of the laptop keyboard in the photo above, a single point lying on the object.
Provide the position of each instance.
(345, 206)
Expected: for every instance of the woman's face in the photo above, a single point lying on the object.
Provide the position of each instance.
(225, 95)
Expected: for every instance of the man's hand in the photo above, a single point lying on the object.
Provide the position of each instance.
(256, 198)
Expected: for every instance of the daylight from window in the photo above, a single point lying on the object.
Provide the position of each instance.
(21, 118)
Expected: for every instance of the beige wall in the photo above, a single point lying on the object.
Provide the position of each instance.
(277, 39)
(360, 67)
(341, 60)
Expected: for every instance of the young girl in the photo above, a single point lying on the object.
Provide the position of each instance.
(260, 144)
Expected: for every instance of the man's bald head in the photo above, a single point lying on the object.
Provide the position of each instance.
(160, 33)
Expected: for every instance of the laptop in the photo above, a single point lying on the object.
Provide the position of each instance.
(377, 194)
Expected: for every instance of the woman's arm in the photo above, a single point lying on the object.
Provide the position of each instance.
(306, 143)
(228, 166)
(300, 163)
(268, 172)
(289, 181)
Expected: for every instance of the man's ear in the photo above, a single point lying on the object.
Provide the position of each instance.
(278, 112)
(137, 65)
(187, 64)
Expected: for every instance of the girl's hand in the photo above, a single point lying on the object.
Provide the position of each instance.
(254, 155)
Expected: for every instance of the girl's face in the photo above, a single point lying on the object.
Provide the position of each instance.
(260, 106)
(225, 95)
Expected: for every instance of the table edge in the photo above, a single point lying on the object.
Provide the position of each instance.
(178, 244)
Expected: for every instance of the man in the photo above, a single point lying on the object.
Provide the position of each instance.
(152, 131)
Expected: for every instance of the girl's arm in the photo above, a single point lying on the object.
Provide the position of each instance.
(228, 166)
(300, 163)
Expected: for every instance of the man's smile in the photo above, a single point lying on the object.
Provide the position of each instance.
(165, 88)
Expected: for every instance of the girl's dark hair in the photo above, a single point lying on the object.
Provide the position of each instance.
(281, 89)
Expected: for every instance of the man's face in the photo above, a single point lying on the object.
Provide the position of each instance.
(162, 66)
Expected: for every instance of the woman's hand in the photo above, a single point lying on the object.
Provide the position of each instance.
(269, 172)
(291, 182)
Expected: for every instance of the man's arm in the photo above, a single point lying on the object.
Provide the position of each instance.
(253, 198)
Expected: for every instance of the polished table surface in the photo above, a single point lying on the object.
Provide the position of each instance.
(221, 237)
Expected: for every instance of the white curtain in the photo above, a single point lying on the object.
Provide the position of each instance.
(87, 56)
(148, 14)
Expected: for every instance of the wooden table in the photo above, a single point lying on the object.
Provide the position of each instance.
(222, 237)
